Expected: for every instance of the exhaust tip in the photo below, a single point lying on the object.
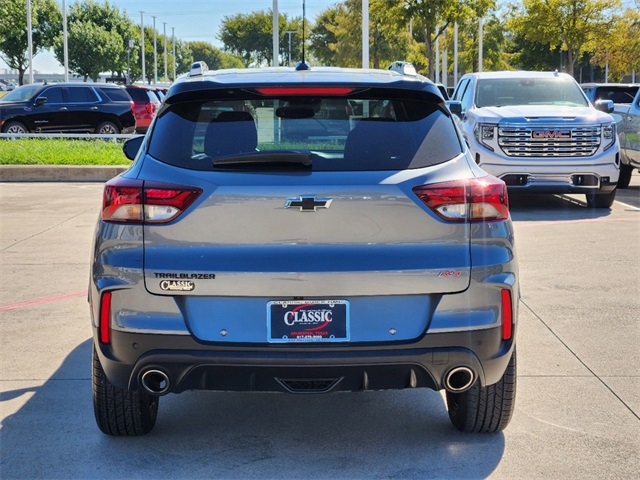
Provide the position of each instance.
(459, 379)
(155, 382)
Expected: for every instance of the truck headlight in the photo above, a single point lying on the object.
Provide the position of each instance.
(609, 135)
(485, 134)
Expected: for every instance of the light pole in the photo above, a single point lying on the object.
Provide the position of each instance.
(365, 33)
(29, 41)
(144, 76)
(155, 53)
(130, 46)
(480, 52)
(173, 35)
(65, 40)
(290, 32)
(276, 36)
(166, 75)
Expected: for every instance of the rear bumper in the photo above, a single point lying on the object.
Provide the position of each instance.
(190, 365)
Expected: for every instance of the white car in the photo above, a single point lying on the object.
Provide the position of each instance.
(538, 132)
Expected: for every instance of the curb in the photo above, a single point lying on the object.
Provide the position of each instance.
(59, 173)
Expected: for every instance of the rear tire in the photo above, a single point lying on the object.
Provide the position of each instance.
(121, 412)
(107, 128)
(15, 127)
(625, 175)
(601, 200)
(485, 409)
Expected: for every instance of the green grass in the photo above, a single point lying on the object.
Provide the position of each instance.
(2, 94)
(61, 152)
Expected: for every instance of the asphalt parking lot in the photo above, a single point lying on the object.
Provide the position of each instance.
(577, 410)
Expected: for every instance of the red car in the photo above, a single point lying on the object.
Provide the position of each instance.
(145, 105)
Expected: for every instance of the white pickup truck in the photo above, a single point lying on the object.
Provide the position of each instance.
(538, 132)
(628, 122)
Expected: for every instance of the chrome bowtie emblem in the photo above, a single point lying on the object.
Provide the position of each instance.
(308, 203)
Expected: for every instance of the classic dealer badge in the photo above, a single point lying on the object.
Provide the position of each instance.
(177, 285)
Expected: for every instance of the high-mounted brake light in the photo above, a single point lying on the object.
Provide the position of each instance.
(104, 323)
(135, 201)
(474, 200)
(507, 315)
(284, 91)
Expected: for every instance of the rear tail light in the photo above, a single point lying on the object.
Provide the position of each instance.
(104, 325)
(135, 201)
(151, 108)
(474, 200)
(133, 107)
(507, 315)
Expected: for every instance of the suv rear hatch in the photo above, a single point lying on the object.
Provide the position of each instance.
(348, 224)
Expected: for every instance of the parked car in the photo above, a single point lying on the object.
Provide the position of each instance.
(538, 132)
(227, 259)
(145, 105)
(628, 117)
(67, 107)
(618, 93)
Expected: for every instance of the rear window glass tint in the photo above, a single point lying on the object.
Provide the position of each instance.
(116, 94)
(81, 95)
(138, 94)
(53, 95)
(616, 94)
(341, 134)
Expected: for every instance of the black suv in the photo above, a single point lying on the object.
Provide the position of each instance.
(67, 107)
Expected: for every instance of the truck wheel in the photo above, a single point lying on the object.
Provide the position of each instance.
(107, 128)
(485, 409)
(15, 127)
(625, 175)
(121, 412)
(601, 200)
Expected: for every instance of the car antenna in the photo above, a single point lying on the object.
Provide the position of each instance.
(303, 65)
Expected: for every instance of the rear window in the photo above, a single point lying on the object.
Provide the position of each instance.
(616, 94)
(337, 133)
(138, 94)
(116, 94)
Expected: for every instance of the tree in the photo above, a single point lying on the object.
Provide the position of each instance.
(621, 49)
(46, 22)
(213, 57)
(336, 39)
(250, 36)
(91, 49)
(575, 25)
(431, 18)
(98, 35)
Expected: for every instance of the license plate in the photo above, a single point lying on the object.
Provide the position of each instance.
(308, 321)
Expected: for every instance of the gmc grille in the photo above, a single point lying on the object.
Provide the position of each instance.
(549, 141)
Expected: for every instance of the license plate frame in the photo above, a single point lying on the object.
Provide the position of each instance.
(308, 321)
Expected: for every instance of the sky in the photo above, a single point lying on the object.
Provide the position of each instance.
(194, 20)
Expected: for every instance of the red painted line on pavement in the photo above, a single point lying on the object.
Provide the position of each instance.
(39, 301)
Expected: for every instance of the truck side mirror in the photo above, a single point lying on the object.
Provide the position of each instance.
(605, 106)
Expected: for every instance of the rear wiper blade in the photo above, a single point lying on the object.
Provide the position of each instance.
(268, 157)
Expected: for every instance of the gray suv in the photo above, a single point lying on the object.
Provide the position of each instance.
(369, 252)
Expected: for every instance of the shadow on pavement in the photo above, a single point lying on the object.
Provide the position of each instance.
(541, 207)
(398, 434)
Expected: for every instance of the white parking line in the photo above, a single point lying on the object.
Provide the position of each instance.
(636, 209)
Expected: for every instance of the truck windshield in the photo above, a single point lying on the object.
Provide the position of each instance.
(502, 92)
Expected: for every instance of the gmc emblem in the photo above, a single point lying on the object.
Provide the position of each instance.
(552, 134)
